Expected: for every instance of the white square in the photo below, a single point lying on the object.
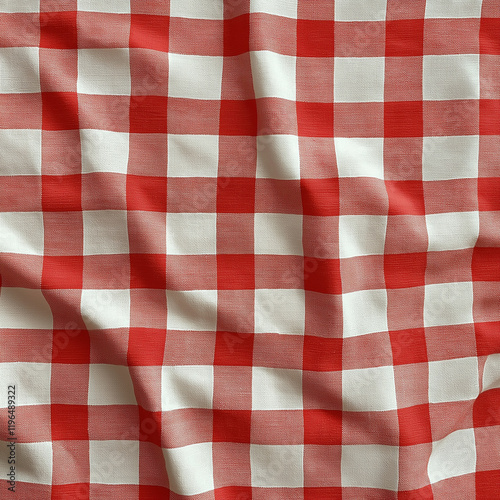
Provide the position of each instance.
(455, 157)
(104, 71)
(370, 466)
(278, 157)
(276, 389)
(31, 381)
(277, 466)
(369, 389)
(273, 75)
(33, 465)
(17, 6)
(364, 312)
(21, 233)
(112, 6)
(278, 234)
(453, 380)
(110, 385)
(361, 235)
(104, 151)
(114, 462)
(190, 469)
(105, 232)
(193, 9)
(359, 79)
(283, 8)
(360, 157)
(280, 311)
(194, 77)
(21, 152)
(452, 231)
(454, 455)
(360, 10)
(19, 71)
(191, 233)
(186, 387)
(448, 304)
(491, 372)
(102, 309)
(24, 308)
(193, 155)
(453, 8)
(452, 76)
(192, 310)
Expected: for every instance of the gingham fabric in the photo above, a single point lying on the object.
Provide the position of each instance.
(250, 249)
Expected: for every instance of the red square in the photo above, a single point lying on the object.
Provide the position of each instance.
(146, 346)
(235, 195)
(148, 194)
(486, 411)
(315, 119)
(326, 493)
(238, 117)
(149, 32)
(71, 346)
(233, 349)
(150, 426)
(424, 493)
(148, 271)
(322, 354)
(487, 337)
(404, 38)
(62, 273)
(69, 422)
(148, 114)
(486, 264)
(147, 492)
(403, 119)
(315, 38)
(487, 483)
(232, 426)
(72, 490)
(324, 277)
(237, 35)
(61, 193)
(59, 111)
(323, 427)
(414, 425)
(405, 197)
(488, 194)
(489, 117)
(320, 196)
(233, 492)
(58, 30)
(489, 36)
(405, 270)
(408, 346)
(235, 272)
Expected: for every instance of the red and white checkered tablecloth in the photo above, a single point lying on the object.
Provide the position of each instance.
(250, 249)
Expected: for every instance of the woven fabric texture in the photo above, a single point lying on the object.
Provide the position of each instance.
(250, 249)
